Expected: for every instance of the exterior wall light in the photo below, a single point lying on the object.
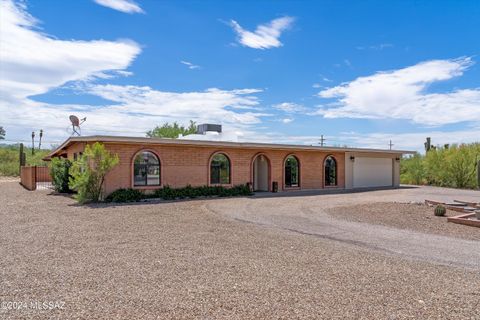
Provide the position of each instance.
(352, 158)
(397, 159)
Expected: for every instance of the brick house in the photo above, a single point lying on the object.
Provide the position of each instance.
(149, 163)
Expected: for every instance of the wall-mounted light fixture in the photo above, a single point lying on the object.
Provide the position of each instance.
(352, 158)
(397, 159)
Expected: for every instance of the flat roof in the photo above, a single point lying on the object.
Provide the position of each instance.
(209, 143)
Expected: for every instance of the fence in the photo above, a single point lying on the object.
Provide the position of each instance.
(35, 177)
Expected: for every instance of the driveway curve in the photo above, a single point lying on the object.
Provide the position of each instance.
(305, 213)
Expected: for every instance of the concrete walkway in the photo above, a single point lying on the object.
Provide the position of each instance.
(305, 214)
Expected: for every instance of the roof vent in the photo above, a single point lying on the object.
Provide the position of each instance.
(208, 127)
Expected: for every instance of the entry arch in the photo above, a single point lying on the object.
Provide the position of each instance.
(261, 172)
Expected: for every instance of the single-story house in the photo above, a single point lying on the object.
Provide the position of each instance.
(150, 163)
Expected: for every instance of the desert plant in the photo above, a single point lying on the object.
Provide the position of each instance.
(60, 173)
(88, 172)
(125, 195)
(440, 211)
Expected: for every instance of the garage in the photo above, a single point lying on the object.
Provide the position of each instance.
(372, 172)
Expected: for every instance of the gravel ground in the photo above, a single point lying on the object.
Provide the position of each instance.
(184, 261)
(417, 217)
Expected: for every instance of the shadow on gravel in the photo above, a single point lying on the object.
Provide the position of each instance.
(307, 193)
(256, 195)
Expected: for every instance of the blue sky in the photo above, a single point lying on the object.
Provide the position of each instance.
(360, 73)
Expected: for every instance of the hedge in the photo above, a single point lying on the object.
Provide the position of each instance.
(188, 192)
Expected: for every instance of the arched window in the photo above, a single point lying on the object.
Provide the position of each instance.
(146, 169)
(330, 165)
(220, 169)
(292, 172)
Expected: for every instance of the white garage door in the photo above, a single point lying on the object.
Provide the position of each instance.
(372, 172)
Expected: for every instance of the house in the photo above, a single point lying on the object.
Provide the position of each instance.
(149, 163)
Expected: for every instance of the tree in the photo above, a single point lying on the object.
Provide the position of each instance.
(173, 130)
(59, 171)
(412, 170)
(88, 173)
(2, 133)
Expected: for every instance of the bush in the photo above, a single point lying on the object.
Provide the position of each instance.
(449, 166)
(88, 173)
(60, 173)
(125, 195)
(168, 193)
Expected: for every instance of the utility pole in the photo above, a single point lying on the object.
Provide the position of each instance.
(40, 141)
(322, 140)
(33, 143)
(390, 144)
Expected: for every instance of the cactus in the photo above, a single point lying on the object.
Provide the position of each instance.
(440, 211)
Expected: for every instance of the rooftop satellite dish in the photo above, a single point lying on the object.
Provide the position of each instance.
(74, 129)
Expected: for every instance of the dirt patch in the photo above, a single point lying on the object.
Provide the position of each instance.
(417, 217)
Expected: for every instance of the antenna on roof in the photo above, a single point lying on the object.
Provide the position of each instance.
(75, 128)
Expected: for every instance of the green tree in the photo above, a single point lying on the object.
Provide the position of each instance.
(88, 173)
(412, 170)
(2, 133)
(59, 171)
(173, 130)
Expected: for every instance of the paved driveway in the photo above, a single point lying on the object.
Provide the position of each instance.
(305, 213)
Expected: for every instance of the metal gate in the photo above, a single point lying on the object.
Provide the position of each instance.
(35, 177)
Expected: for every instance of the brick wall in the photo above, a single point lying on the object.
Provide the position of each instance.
(182, 165)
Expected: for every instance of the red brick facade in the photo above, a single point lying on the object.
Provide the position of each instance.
(182, 165)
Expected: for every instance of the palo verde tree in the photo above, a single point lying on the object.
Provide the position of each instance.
(2, 133)
(172, 130)
(88, 173)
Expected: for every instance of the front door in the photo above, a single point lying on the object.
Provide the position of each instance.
(260, 173)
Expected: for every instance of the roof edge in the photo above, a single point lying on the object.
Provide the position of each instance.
(170, 141)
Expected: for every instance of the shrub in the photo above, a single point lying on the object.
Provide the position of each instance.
(440, 210)
(168, 193)
(88, 173)
(449, 166)
(60, 172)
(125, 195)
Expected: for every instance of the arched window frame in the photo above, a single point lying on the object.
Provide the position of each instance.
(335, 184)
(291, 186)
(146, 185)
(210, 171)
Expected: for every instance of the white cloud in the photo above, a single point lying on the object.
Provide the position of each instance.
(33, 62)
(127, 6)
(287, 120)
(401, 94)
(410, 140)
(380, 46)
(135, 110)
(290, 107)
(266, 36)
(190, 65)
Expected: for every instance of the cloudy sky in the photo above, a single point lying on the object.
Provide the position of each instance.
(359, 73)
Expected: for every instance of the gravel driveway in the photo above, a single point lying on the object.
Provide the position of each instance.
(309, 215)
(192, 260)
